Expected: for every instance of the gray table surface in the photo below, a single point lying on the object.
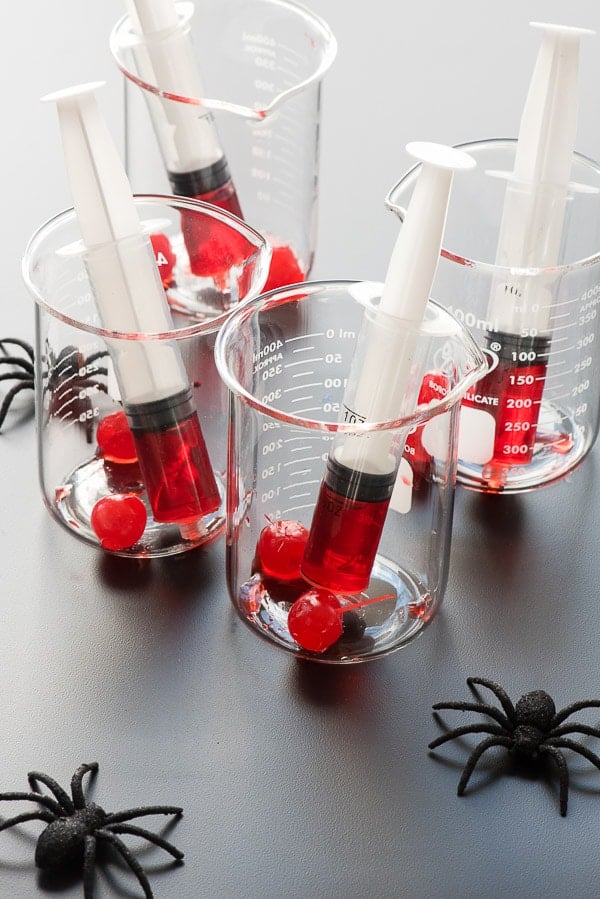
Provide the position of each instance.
(297, 779)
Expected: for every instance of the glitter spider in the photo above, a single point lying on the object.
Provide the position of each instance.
(75, 826)
(531, 728)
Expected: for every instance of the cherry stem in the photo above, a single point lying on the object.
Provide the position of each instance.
(365, 602)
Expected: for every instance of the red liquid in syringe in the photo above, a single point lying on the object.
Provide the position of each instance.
(346, 528)
(214, 247)
(173, 458)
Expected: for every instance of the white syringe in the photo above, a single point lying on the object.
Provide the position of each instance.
(536, 194)
(530, 238)
(195, 162)
(362, 468)
(130, 299)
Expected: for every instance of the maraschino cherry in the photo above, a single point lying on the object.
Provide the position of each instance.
(115, 440)
(280, 549)
(118, 520)
(315, 618)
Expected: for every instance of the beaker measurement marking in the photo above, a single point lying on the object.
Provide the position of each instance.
(308, 409)
(564, 327)
(302, 387)
(301, 470)
(305, 337)
(297, 508)
(287, 49)
(302, 361)
(303, 374)
(299, 495)
(292, 62)
(306, 459)
(288, 207)
(301, 484)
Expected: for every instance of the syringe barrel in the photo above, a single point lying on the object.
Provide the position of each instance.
(130, 300)
(185, 131)
(381, 387)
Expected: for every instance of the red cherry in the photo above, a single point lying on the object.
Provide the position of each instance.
(118, 520)
(280, 549)
(115, 440)
(165, 257)
(284, 269)
(314, 620)
(214, 248)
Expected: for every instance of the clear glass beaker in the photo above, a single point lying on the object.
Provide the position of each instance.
(535, 415)
(261, 64)
(86, 451)
(285, 357)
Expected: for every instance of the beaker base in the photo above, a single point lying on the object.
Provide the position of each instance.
(94, 479)
(561, 445)
(369, 629)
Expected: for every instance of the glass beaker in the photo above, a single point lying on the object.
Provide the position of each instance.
(100, 473)
(285, 358)
(261, 63)
(535, 415)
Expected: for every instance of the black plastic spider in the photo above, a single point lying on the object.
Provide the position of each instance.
(532, 728)
(23, 374)
(70, 380)
(75, 826)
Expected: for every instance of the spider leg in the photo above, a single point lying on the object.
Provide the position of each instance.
(130, 813)
(496, 714)
(563, 775)
(574, 707)
(147, 835)
(15, 341)
(498, 691)
(467, 729)
(35, 797)
(28, 816)
(476, 755)
(574, 729)
(23, 385)
(25, 364)
(129, 858)
(565, 743)
(77, 782)
(89, 861)
(16, 375)
(93, 357)
(63, 799)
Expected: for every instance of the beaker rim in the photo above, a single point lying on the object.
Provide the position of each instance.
(122, 38)
(489, 267)
(196, 327)
(270, 299)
